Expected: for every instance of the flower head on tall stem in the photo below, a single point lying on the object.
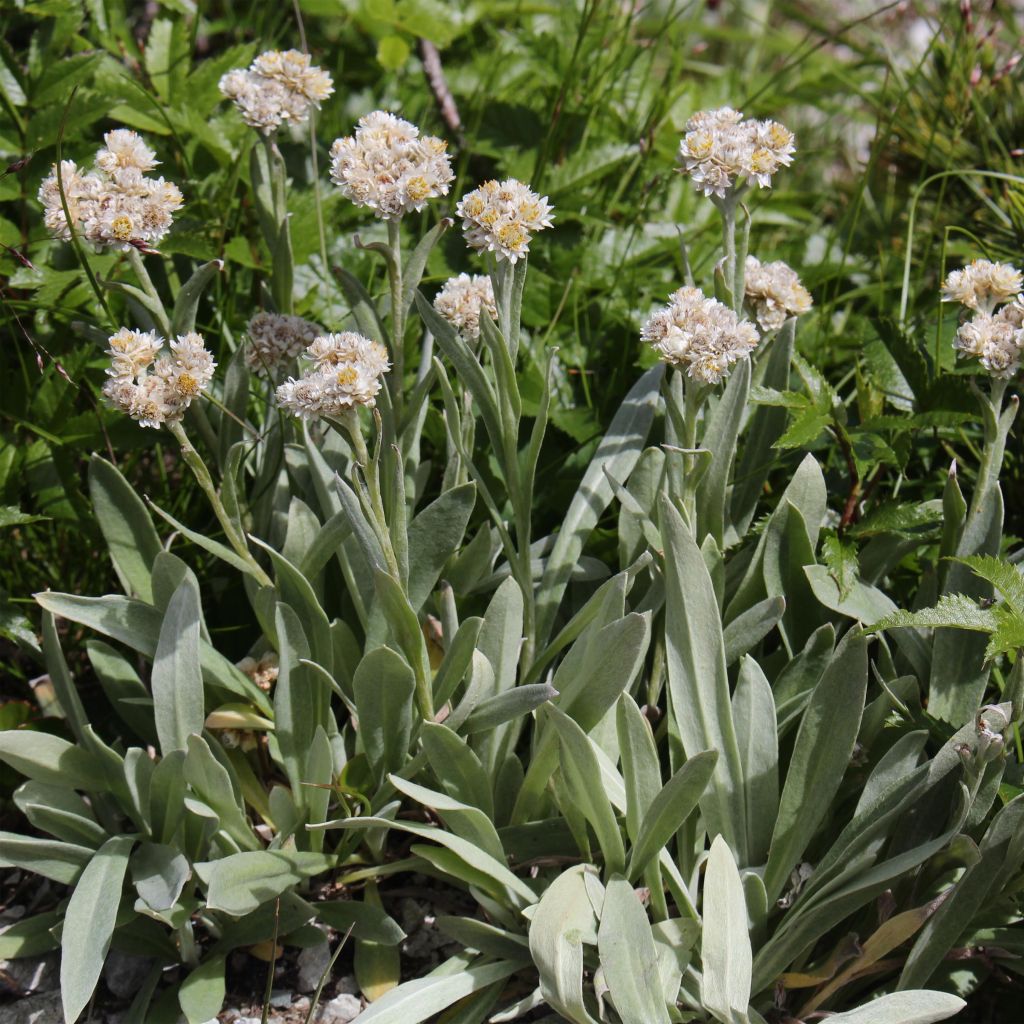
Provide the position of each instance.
(699, 335)
(275, 340)
(279, 87)
(463, 300)
(774, 293)
(115, 205)
(982, 285)
(502, 217)
(346, 373)
(993, 336)
(721, 151)
(154, 388)
(388, 167)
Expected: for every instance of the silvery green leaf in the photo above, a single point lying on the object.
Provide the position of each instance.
(383, 687)
(456, 661)
(218, 788)
(50, 759)
(166, 794)
(602, 663)
(201, 994)
(63, 684)
(629, 957)
(720, 439)
(508, 706)
(122, 688)
(137, 625)
(424, 998)
(561, 922)
(698, 684)
(159, 873)
(456, 766)
(503, 881)
(416, 262)
(670, 808)
(177, 679)
(726, 958)
(183, 316)
(820, 758)
(221, 551)
(31, 936)
(752, 626)
(366, 920)
(89, 924)
(61, 862)
(434, 536)
(127, 528)
(763, 429)
(912, 1007)
(295, 704)
(483, 937)
(501, 633)
(896, 763)
(240, 882)
(617, 454)
(464, 820)
(753, 709)
(581, 771)
(60, 812)
(296, 591)
(641, 768)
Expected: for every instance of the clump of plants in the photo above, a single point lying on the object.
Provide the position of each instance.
(682, 756)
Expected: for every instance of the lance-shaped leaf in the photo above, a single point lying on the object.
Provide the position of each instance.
(177, 679)
(89, 924)
(183, 316)
(629, 957)
(615, 457)
(726, 958)
(698, 684)
(820, 758)
(915, 1007)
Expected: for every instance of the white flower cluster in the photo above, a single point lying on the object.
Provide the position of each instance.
(982, 285)
(275, 339)
(774, 292)
(156, 390)
(278, 87)
(698, 334)
(115, 205)
(994, 337)
(721, 149)
(461, 301)
(389, 167)
(502, 217)
(346, 372)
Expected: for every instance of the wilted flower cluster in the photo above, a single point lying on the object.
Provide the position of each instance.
(721, 149)
(389, 167)
(502, 217)
(115, 205)
(275, 339)
(278, 87)
(461, 301)
(774, 292)
(346, 372)
(993, 337)
(698, 334)
(156, 389)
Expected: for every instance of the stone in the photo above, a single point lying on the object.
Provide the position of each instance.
(125, 973)
(279, 1000)
(33, 974)
(312, 964)
(44, 1008)
(340, 1010)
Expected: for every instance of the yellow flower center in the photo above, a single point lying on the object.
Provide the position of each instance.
(187, 386)
(121, 226)
(347, 376)
(762, 161)
(418, 188)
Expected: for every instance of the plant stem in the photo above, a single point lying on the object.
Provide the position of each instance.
(235, 537)
(397, 316)
(139, 266)
(371, 475)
